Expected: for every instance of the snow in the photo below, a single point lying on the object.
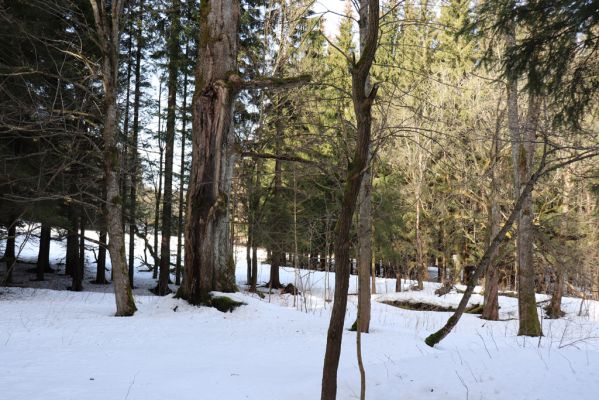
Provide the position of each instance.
(56, 344)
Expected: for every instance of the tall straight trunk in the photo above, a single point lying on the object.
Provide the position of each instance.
(43, 257)
(362, 101)
(278, 255)
(527, 304)
(107, 25)
(76, 282)
(159, 188)
(125, 178)
(182, 175)
(133, 156)
(523, 145)
(9, 253)
(101, 266)
(555, 306)
(208, 253)
(167, 202)
(491, 295)
(365, 208)
(72, 257)
(254, 280)
(365, 250)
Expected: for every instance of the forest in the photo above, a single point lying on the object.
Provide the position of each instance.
(247, 199)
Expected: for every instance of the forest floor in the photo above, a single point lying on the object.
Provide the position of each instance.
(57, 344)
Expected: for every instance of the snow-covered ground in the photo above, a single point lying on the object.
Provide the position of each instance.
(56, 344)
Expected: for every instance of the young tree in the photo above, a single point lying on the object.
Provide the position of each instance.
(362, 101)
(107, 19)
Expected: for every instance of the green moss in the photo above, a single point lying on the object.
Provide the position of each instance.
(225, 304)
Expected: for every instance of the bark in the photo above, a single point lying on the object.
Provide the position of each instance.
(43, 257)
(133, 156)
(278, 256)
(555, 306)
(365, 211)
(523, 145)
(208, 252)
(362, 101)
(72, 256)
(9, 253)
(77, 275)
(527, 305)
(101, 266)
(491, 295)
(182, 175)
(167, 203)
(158, 192)
(365, 251)
(108, 32)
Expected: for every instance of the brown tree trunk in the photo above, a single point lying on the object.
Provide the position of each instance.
(182, 176)
(362, 101)
(77, 275)
(101, 266)
(108, 32)
(158, 192)
(491, 295)
(133, 155)
(208, 253)
(527, 304)
(9, 252)
(365, 250)
(167, 202)
(43, 257)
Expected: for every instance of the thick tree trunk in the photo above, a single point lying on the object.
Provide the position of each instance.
(527, 304)
(362, 101)
(167, 203)
(108, 32)
(43, 257)
(208, 254)
(365, 251)
(133, 155)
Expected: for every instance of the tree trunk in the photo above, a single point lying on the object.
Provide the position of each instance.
(9, 253)
(182, 175)
(72, 256)
(362, 101)
(491, 295)
(208, 254)
(158, 192)
(101, 266)
(77, 275)
(365, 250)
(108, 32)
(133, 161)
(43, 257)
(522, 158)
(167, 203)
(527, 304)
